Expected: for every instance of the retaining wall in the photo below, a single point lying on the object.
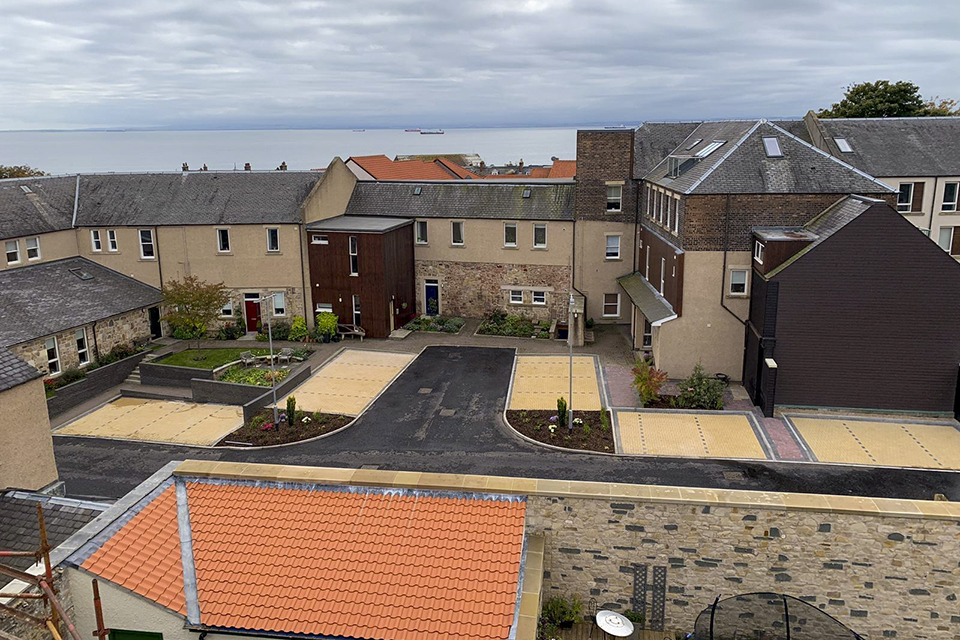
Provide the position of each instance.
(96, 382)
(296, 377)
(157, 374)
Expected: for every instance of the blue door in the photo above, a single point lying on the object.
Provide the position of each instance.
(431, 297)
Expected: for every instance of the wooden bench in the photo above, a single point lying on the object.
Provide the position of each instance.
(351, 330)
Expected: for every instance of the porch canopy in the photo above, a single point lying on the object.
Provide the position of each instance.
(648, 300)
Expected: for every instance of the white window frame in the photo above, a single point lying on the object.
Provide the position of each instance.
(667, 215)
(15, 251)
(26, 243)
(275, 230)
(676, 215)
(510, 225)
(324, 307)
(96, 245)
(952, 204)
(353, 249)
(151, 244)
(536, 226)
(83, 355)
(453, 239)
(357, 309)
(283, 307)
(758, 250)
(663, 274)
(606, 251)
(221, 233)
(843, 145)
(771, 146)
(112, 245)
(649, 202)
(659, 197)
(425, 238)
(606, 304)
(616, 200)
(542, 295)
(56, 355)
(746, 281)
(647, 339)
(319, 238)
(949, 247)
(909, 203)
(228, 306)
(516, 296)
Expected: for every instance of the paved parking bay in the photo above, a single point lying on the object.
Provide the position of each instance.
(349, 382)
(157, 421)
(539, 380)
(690, 435)
(881, 442)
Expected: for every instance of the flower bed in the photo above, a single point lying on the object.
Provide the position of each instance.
(257, 377)
(435, 323)
(592, 433)
(73, 374)
(503, 324)
(261, 431)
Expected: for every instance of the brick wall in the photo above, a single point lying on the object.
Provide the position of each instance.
(602, 156)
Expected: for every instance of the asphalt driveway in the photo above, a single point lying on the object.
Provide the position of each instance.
(410, 427)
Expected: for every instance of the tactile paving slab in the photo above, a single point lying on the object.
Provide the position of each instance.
(688, 435)
(539, 380)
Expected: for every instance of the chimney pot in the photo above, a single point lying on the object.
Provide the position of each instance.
(185, 167)
(246, 166)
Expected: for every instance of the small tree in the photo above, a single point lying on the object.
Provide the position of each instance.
(648, 380)
(192, 305)
(561, 412)
(885, 99)
(19, 171)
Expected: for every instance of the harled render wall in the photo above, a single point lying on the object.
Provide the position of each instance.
(26, 446)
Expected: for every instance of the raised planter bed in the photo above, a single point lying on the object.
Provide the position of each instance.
(96, 382)
(591, 436)
(436, 324)
(514, 326)
(254, 433)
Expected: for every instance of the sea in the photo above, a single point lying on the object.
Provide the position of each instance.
(59, 152)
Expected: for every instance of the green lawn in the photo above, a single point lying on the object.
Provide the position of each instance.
(211, 358)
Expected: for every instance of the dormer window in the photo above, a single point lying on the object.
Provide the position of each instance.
(771, 146)
(843, 145)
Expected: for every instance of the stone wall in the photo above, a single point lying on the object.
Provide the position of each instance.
(474, 289)
(124, 329)
(882, 576)
(293, 298)
(19, 628)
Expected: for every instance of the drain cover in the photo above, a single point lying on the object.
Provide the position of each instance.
(370, 466)
(424, 390)
(446, 413)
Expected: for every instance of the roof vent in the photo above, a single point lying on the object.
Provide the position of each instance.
(526, 192)
(25, 188)
(843, 145)
(771, 146)
(417, 191)
(80, 273)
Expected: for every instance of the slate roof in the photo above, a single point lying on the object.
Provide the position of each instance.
(43, 299)
(898, 147)
(464, 199)
(201, 197)
(354, 562)
(654, 141)
(36, 205)
(652, 305)
(14, 372)
(741, 165)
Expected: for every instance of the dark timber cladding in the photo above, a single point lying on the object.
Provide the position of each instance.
(656, 252)
(384, 275)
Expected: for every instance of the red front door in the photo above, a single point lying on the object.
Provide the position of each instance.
(252, 313)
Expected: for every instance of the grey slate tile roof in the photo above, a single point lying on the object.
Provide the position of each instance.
(742, 166)
(654, 141)
(652, 305)
(36, 205)
(43, 299)
(204, 197)
(14, 371)
(464, 199)
(898, 147)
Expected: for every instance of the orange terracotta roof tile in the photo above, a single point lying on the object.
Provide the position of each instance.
(364, 563)
(563, 169)
(456, 169)
(383, 168)
(540, 172)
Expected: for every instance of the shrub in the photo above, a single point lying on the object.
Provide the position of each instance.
(637, 618)
(298, 330)
(604, 419)
(700, 391)
(258, 421)
(231, 331)
(589, 323)
(648, 380)
(558, 610)
(327, 324)
(561, 412)
(256, 377)
(183, 333)
(291, 409)
(71, 375)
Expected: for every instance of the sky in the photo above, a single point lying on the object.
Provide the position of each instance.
(215, 64)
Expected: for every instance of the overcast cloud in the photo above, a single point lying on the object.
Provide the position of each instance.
(446, 63)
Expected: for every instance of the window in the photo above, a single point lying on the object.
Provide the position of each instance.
(146, 244)
(649, 202)
(539, 236)
(516, 296)
(710, 148)
(95, 243)
(83, 354)
(758, 249)
(950, 190)
(647, 333)
(273, 240)
(417, 191)
(613, 248)
(13, 251)
(905, 198)
(53, 356)
(771, 146)
(223, 240)
(666, 207)
(422, 237)
(509, 234)
(946, 239)
(354, 258)
(227, 310)
(661, 205)
(843, 145)
(319, 239)
(646, 273)
(279, 304)
(611, 305)
(33, 248)
(614, 197)
(676, 215)
(456, 230)
(663, 273)
(540, 297)
(112, 244)
(324, 307)
(694, 143)
(738, 282)
(356, 310)
(526, 193)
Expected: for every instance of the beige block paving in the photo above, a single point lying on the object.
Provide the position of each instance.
(349, 382)
(539, 380)
(688, 435)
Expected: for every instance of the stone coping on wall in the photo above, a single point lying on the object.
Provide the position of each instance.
(883, 507)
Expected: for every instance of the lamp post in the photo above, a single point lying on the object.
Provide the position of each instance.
(571, 322)
(273, 366)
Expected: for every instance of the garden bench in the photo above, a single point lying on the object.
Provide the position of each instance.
(351, 330)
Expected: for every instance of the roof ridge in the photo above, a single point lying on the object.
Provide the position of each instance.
(730, 151)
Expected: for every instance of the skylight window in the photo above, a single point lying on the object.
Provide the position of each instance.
(694, 143)
(526, 193)
(80, 273)
(843, 145)
(417, 191)
(710, 148)
(771, 146)
(25, 188)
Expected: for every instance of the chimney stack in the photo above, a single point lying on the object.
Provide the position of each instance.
(204, 168)
(283, 166)
(246, 166)
(185, 167)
